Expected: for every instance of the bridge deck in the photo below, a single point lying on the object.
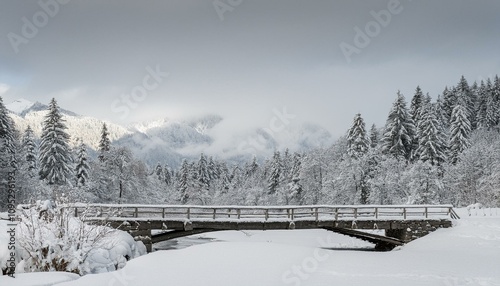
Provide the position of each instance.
(263, 213)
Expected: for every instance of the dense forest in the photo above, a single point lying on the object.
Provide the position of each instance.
(428, 152)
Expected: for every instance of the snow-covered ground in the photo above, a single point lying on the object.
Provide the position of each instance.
(467, 254)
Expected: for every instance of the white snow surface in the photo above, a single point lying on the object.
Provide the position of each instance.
(466, 254)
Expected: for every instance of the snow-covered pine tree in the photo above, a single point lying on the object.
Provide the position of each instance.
(493, 111)
(416, 105)
(459, 132)
(159, 172)
(55, 157)
(224, 177)
(82, 166)
(432, 141)
(184, 182)
(467, 99)
(252, 168)
(357, 141)
(167, 175)
(449, 100)
(295, 188)
(374, 136)
(274, 178)
(482, 106)
(8, 160)
(30, 150)
(203, 175)
(286, 166)
(104, 143)
(399, 131)
(213, 172)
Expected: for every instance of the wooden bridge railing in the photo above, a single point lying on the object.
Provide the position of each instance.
(263, 213)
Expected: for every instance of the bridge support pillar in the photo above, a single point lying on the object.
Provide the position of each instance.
(410, 230)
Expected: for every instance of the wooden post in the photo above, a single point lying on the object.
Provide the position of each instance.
(376, 213)
(136, 214)
(426, 213)
(317, 214)
(188, 213)
(292, 213)
(76, 211)
(239, 213)
(214, 213)
(163, 212)
(404, 213)
(336, 213)
(266, 214)
(355, 213)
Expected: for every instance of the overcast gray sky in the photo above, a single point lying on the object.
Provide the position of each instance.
(242, 58)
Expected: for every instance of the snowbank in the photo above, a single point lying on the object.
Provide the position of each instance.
(38, 279)
(110, 253)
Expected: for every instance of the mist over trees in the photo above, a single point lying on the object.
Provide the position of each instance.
(428, 152)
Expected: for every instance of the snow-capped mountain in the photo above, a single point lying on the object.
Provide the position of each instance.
(20, 105)
(169, 141)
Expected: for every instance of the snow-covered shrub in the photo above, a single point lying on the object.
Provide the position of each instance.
(52, 239)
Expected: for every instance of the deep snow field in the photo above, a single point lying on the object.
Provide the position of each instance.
(467, 254)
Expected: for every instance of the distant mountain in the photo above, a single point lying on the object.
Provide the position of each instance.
(169, 141)
(22, 107)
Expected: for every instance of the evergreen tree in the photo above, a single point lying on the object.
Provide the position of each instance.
(374, 136)
(252, 168)
(491, 116)
(30, 150)
(399, 131)
(449, 100)
(295, 187)
(55, 158)
(432, 143)
(203, 174)
(224, 177)
(274, 179)
(482, 106)
(104, 143)
(184, 182)
(167, 175)
(441, 113)
(459, 132)
(416, 105)
(357, 142)
(467, 99)
(8, 160)
(213, 173)
(286, 166)
(82, 166)
(493, 103)
(159, 172)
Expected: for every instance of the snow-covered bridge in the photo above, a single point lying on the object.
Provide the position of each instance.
(401, 223)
